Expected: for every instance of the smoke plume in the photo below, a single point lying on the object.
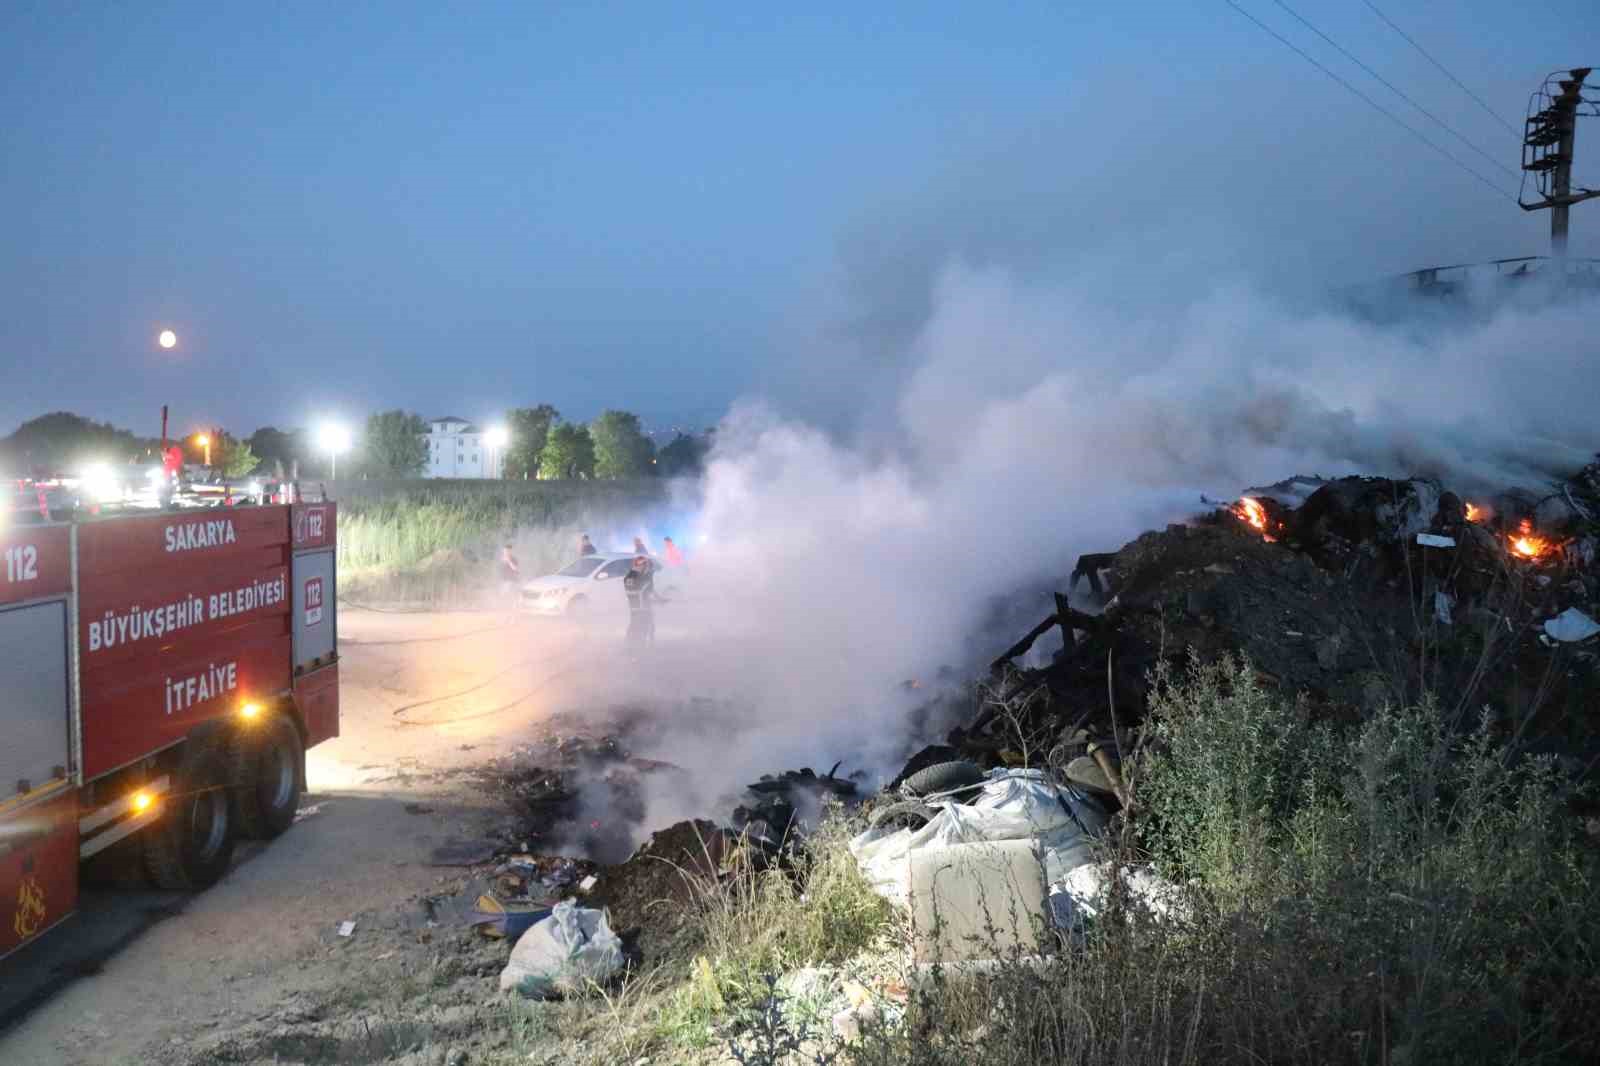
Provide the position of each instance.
(1032, 421)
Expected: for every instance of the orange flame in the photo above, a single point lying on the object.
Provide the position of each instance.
(1526, 544)
(1474, 513)
(1251, 511)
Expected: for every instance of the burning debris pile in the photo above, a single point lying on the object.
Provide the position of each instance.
(1355, 593)
(573, 794)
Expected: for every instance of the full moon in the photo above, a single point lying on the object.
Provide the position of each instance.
(168, 339)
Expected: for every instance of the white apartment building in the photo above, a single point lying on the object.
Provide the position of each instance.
(457, 448)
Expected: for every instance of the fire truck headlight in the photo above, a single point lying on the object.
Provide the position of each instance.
(100, 484)
(249, 709)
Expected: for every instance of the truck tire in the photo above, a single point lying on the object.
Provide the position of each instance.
(264, 778)
(942, 777)
(191, 845)
(908, 814)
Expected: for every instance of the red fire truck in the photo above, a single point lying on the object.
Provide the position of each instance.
(160, 675)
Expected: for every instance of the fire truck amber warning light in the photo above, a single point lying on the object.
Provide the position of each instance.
(142, 802)
(249, 709)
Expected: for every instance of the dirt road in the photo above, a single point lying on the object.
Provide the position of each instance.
(141, 976)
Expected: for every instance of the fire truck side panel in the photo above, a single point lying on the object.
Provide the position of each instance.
(182, 619)
(38, 865)
(36, 746)
(129, 713)
(315, 620)
(317, 695)
(199, 539)
(35, 562)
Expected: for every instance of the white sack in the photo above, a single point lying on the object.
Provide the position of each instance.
(1013, 805)
(563, 953)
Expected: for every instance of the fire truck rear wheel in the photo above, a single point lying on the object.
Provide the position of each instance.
(265, 777)
(191, 845)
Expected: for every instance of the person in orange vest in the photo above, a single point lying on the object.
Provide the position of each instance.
(672, 553)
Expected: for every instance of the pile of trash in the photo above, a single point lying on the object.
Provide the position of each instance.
(990, 865)
(1352, 593)
(574, 794)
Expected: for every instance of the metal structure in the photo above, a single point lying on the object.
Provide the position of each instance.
(1552, 121)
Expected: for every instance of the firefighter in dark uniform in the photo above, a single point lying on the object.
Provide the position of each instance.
(640, 587)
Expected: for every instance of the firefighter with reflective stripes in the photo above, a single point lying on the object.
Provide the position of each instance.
(640, 587)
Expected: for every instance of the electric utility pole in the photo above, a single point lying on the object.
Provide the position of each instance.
(1547, 149)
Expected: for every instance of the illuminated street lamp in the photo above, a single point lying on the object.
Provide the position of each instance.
(205, 442)
(497, 438)
(334, 439)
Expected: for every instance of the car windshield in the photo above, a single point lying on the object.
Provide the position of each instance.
(616, 568)
(582, 568)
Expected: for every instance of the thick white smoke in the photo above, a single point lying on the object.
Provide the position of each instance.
(1038, 421)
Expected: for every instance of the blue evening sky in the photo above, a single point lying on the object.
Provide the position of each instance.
(455, 207)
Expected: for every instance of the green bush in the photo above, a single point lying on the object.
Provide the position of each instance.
(1393, 892)
(428, 538)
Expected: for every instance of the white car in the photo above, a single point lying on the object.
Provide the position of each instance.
(589, 587)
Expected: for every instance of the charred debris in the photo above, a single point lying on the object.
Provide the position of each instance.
(1349, 594)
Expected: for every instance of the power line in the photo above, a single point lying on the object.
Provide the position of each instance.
(1394, 89)
(1390, 115)
(1409, 40)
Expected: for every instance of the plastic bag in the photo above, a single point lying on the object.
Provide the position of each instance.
(563, 953)
(1013, 805)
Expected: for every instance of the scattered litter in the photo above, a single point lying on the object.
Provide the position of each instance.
(306, 812)
(1443, 602)
(1433, 540)
(1571, 626)
(564, 953)
(462, 853)
(563, 874)
(506, 919)
(849, 1024)
(587, 883)
(347, 928)
(418, 808)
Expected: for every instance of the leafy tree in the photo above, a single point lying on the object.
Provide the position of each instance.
(568, 453)
(280, 448)
(61, 441)
(620, 447)
(235, 457)
(530, 430)
(684, 457)
(393, 445)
